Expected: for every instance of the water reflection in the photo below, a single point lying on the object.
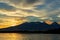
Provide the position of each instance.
(18, 36)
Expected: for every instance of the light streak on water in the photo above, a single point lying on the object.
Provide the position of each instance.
(19, 36)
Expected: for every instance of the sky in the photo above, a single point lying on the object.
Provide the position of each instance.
(31, 10)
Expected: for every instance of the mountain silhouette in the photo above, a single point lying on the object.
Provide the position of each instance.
(33, 26)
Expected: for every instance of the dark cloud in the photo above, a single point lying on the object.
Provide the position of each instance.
(31, 1)
(48, 1)
(5, 6)
(55, 4)
(24, 1)
(39, 7)
(16, 1)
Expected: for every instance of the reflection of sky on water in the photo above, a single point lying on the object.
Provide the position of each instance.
(17, 36)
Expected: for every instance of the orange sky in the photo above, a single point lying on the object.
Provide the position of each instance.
(8, 22)
(48, 22)
(17, 21)
(58, 22)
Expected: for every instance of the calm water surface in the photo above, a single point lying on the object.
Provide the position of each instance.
(19, 36)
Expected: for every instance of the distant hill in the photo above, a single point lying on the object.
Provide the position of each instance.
(33, 26)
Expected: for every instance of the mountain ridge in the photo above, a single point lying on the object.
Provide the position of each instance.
(33, 26)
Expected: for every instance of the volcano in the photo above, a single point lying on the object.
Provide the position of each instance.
(33, 26)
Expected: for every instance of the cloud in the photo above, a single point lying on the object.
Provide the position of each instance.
(10, 21)
(5, 6)
(25, 4)
(22, 6)
(33, 19)
(55, 4)
(38, 9)
(58, 15)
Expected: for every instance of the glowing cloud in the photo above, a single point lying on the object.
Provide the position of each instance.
(10, 21)
(48, 22)
(40, 10)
